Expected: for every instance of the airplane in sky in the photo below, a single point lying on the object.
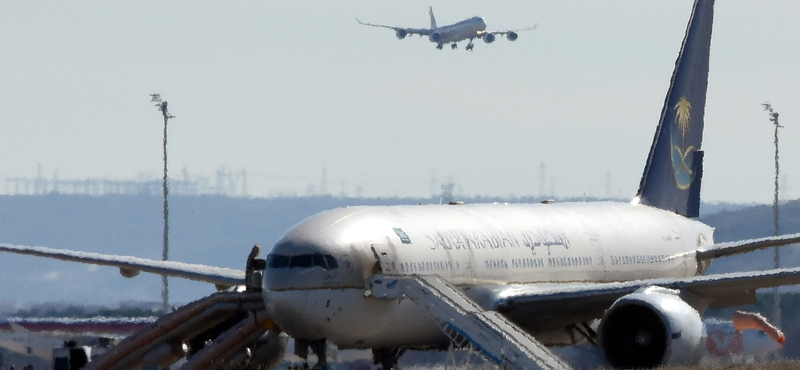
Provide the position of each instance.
(468, 29)
(507, 279)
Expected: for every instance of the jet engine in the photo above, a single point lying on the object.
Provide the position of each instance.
(401, 33)
(128, 273)
(649, 328)
(488, 38)
(511, 35)
(435, 37)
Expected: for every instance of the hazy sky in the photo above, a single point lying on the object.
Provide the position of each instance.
(291, 90)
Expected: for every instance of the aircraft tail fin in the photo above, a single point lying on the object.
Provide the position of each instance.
(433, 19)
(674, 167)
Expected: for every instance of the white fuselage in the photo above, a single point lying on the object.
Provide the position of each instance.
(466, 29)
(470, 245)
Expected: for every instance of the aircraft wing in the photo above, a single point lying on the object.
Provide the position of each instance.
(65, 327)
(744, 246)
(511, 33)
(401, 30)
(130, 266)
(552, 306)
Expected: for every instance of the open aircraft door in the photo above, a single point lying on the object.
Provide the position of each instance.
(384, 258)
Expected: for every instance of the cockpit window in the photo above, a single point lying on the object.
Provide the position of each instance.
(302, 260)
(331, 262)
(319, 260)
(278, 261)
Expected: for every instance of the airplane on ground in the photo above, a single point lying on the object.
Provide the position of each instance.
(506, 279)
(468, 29)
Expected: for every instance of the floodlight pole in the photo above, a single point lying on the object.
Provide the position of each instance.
(162, 107)
(773, 117)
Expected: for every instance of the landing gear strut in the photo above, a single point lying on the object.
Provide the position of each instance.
(318, 347)
(386, 357)
(584, 330)
(470, 46)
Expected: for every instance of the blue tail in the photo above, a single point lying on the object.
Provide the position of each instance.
(674, 168)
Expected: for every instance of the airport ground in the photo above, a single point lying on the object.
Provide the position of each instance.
(778, 365)
(19, 361)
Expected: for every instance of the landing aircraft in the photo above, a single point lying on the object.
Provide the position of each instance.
(470, 28)
(507, 279)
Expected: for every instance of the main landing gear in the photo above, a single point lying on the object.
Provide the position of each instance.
(386, 357)
(319, 347)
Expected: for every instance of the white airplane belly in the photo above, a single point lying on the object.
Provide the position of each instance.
(349, 320)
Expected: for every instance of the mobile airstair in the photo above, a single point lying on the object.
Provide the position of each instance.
(225, 330)
(463, 321)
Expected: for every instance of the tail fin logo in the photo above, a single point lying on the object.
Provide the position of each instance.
(681, 154)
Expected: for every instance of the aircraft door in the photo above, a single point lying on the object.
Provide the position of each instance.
(384, 259)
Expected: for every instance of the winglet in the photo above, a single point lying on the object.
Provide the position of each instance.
(674, 168)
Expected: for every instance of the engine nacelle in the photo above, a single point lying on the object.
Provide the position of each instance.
(435, 37)
(128, 272)
(488, 38)
(401, 34)
(511, 35)
(651, 327)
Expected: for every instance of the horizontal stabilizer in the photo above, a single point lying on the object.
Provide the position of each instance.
(744, 246)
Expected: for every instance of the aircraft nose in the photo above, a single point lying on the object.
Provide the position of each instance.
(288, 308)
(294, 270)
(292, 265)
